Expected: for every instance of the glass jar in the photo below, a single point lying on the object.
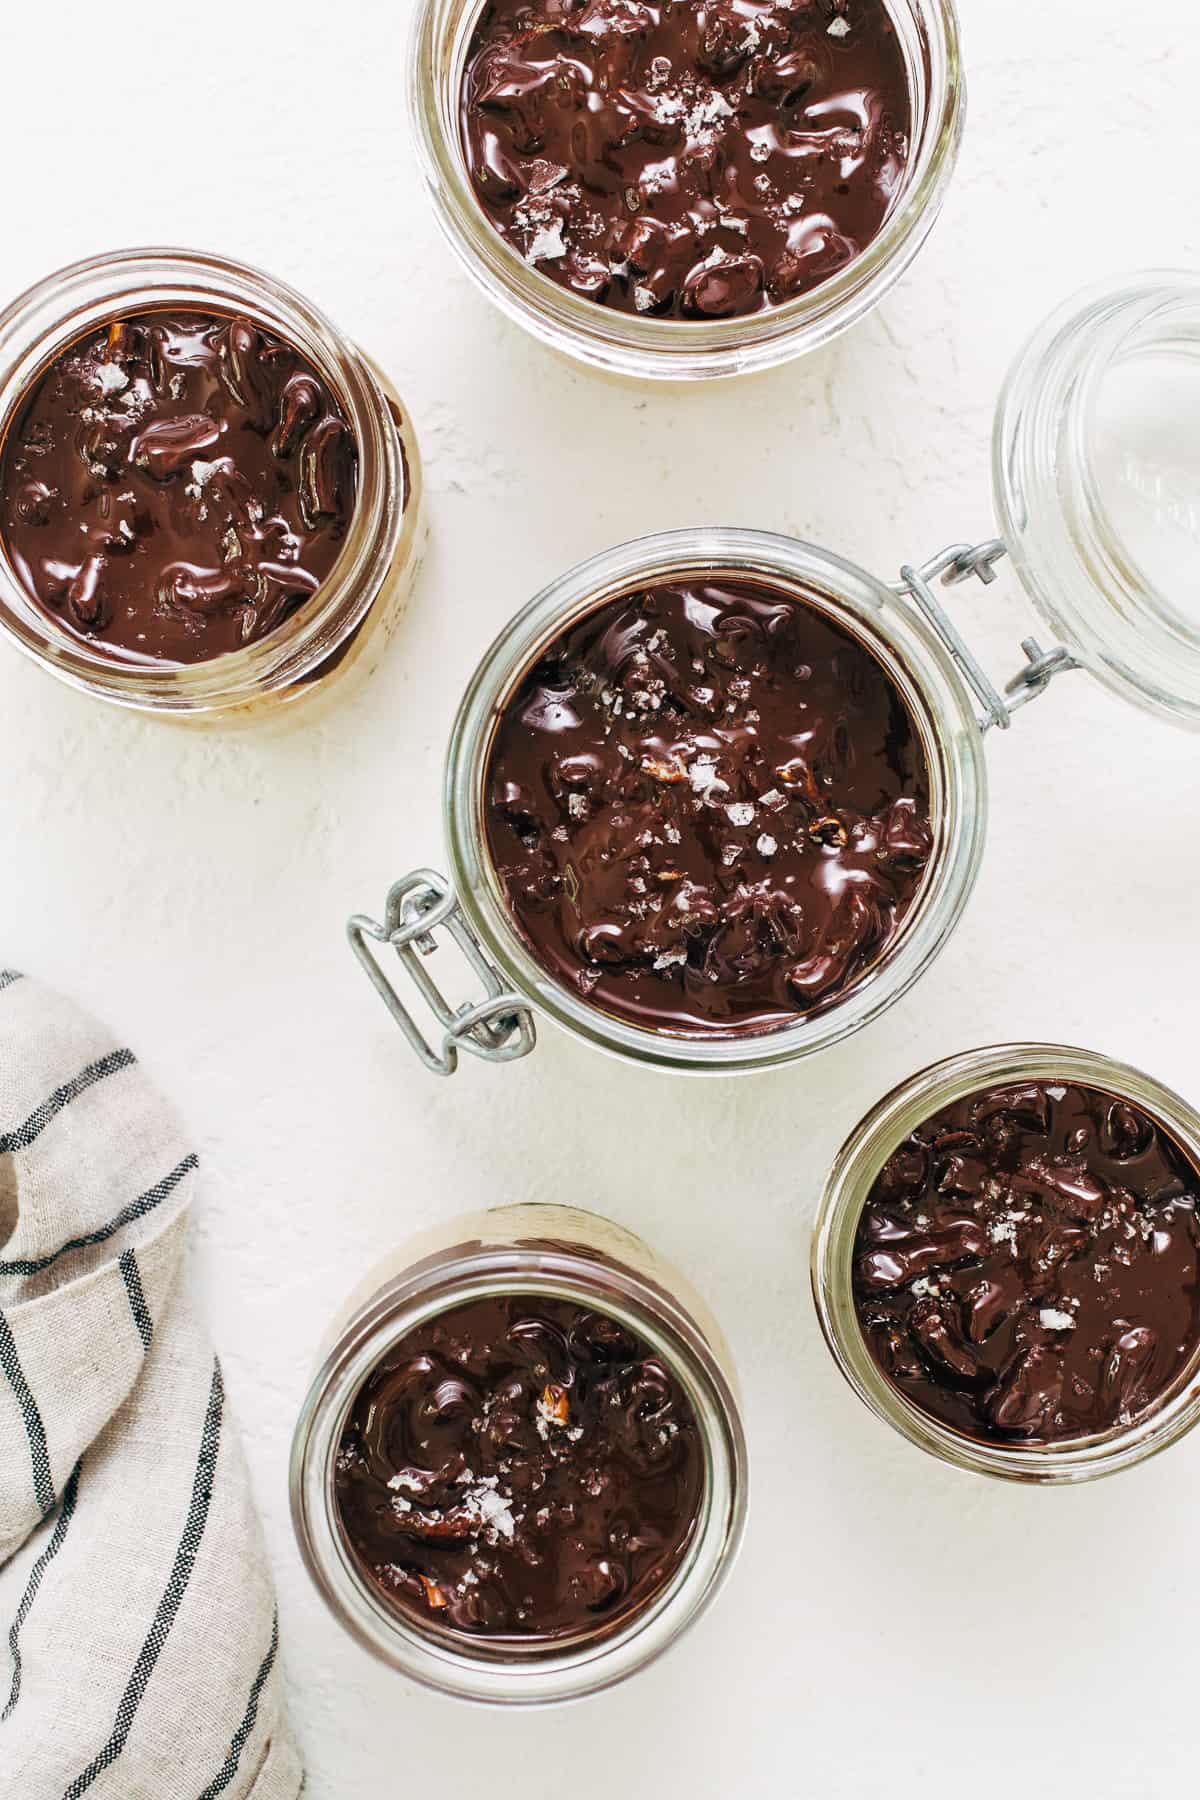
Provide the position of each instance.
(347, 619)
(673, 349)
(1097, 484)
(851, 1179)
(547, 1251)
(1093, 538)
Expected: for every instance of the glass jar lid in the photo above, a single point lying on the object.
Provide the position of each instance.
(1097, 481)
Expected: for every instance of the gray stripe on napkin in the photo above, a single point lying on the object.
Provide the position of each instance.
(168, 1606)
(24, 1135)
(131, 1276)
(229, 1767)
(66, 1513)
(137, 1209)
(35, 1430)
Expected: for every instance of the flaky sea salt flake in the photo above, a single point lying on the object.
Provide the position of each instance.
(111, 378)
(548, 244)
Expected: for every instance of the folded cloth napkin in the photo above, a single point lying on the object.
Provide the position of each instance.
(140, 1618)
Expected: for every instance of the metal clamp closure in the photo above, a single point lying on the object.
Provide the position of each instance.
(959, 563)
(498, 1028)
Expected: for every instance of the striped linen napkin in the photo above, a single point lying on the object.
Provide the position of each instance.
(134, 1591)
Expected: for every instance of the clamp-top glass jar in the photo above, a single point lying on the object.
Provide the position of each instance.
(1125, 1435)
(1086, 505)
(639, 344)
(160, 293)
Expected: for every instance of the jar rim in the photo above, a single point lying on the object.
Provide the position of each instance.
(565, 1669)
(61, 308)
(912, 656)
(671, 349)
(911, 1103)
(1084, 577)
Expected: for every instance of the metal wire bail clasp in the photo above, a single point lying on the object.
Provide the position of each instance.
(498, 1028)
(959, 563)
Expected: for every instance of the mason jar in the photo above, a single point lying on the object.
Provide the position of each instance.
(537, 1251)
(1097, 483)
(675, 349)
(346, 622)
(850, 1182)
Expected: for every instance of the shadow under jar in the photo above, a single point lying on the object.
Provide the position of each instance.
(209, 499)
(520, 1472)
(1006, 1263)
(784, 751)
(686, 190)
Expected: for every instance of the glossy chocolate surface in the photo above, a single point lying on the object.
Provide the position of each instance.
(176, 485)
(686, 158)
(520, 1467)
(1026, 1269)
(708, 807)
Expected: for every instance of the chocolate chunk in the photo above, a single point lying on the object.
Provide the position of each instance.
(786, 79)
(1025, 1400)
(937, 1331)
(321, 467)
(717, 290)
(84, 598)
(905, 1258)
(299, 406)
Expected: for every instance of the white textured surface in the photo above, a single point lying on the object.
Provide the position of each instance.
(892, 1626)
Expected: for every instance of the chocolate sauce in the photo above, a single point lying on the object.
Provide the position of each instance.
(1026, 1268)
(520, 1467)
(686, 158)
(709, 808)
(176, 485)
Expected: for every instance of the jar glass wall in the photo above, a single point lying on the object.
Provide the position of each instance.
(347, 618)
(1097, 482)
(632, 345)
(847, 1190)
(539, 1251)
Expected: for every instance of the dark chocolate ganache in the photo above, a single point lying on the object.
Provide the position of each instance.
(175, 485)
(520, 1467)
(709, 808)
(686, 158)
(1026, 1268)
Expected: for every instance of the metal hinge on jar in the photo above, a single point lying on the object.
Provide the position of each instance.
(956, 564)
(498, 1028)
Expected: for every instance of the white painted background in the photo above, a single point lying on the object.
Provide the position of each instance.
(893, 1627)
